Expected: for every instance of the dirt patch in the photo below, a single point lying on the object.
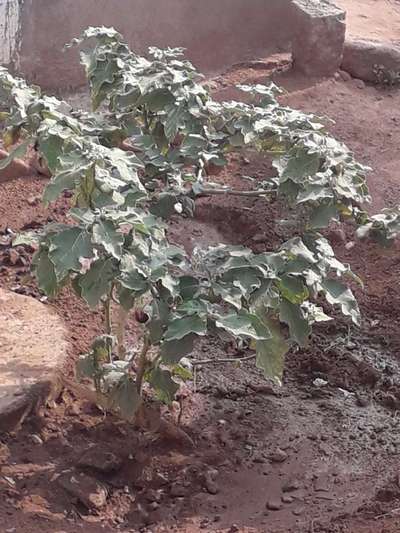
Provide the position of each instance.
(375, 19)
(319, 454)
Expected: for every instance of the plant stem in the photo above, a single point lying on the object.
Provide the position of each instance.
(107, 315)
(142, 364)
(231, 192)
(223, 361)
(122, 320)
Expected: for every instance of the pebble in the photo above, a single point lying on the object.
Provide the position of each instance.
(287, 499)
(279, 456)
(36, 439)
(291, 485)
(344, 75)
(259, 238)
(211, 487)
(359, 84)
(177, 490)
(274, 505)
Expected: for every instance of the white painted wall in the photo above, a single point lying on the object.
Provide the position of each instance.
(9, 30)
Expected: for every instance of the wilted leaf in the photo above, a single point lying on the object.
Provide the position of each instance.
(163, 384)
(125, 398)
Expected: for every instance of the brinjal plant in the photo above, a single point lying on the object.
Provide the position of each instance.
(147, 149)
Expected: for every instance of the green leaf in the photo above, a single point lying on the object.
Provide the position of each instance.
(163, 385)
(323, 215)
(299, 165)
(96, 283)
(51, 148)
(299, 328)
(18, 152)
(243, 325)
(67, 248)
(105, 234)
(181, 327)
(171, 352)
(45, 273)
(188, 287)
(157, 100)
(338, 294)
(125, 398)
(158, 321)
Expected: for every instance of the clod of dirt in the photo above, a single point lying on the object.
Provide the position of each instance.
(84, 488)
(100, 460)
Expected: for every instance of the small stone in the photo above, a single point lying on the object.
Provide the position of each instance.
(233, 529)
(36, 439)
(73, 410)
(279, 456)
(287, 499)
(85, 488)
(291, 485)
(153, 496)
(360, 84)
(298, 512)
(211, 487)
(154, 506)
(33, 200)
(259, 238)
(337, 76)
(274, 505)
(14, 256)
(344, 75)
(100, 459)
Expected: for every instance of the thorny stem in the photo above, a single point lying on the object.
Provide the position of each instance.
(223, 361)
(108, 321)
(122, 320)
(142, 364)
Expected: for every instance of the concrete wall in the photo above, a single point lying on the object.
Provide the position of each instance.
(216, 33)
(10, 17)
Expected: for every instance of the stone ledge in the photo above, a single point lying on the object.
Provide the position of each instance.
(33, 351)
(361, 56)
(319, 34)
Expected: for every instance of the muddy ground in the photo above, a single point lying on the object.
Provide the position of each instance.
(301, 458)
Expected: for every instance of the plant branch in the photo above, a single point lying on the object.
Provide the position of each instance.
(107, 315)
(224, 361)
(232, 192)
